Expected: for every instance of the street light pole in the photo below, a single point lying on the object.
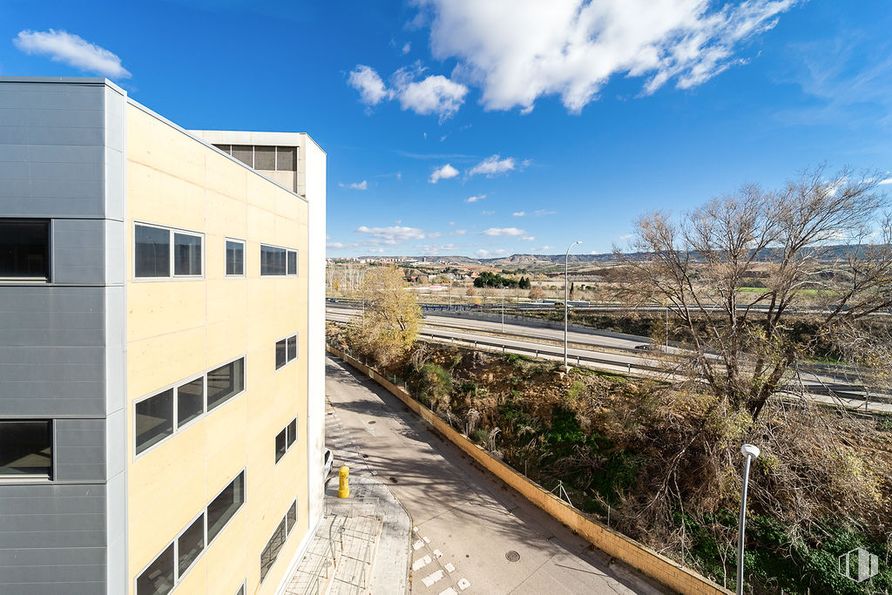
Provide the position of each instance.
(567, 297)
(750, 452)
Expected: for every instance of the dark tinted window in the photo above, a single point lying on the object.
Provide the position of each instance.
(225, 505)
(281, 353)
(190, 544)
(292, 262)
(158, 578)
(190, 401)
(292, 347)
(225, 382)
(26, 448)
(154, 420)
(272, 260)
(244, 153)
(152, 252)
(281, 445)
(291, 517)
(187, 254)
(24, 248)
(235, 258)
(292, 432)
(271, 551)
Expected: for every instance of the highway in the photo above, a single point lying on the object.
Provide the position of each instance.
(601, 350)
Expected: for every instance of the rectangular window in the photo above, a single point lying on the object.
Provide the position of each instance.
(189, 545)
(152, 252)
(235, 257)
(26, 448)
(241, 590)
(25, 249)
(186, 255)
(225, 382)
(225, 505)
(281, 444)
(190, 401)
(286, 158)
(292, 347)
(291, 518)
(272, 260)
(244, 153)
(271, 551)
(292, 262)
(158, 578)
(281, 353)
(154, 420)
(292, 432)
(265, 158)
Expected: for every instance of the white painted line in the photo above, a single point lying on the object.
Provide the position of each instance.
(463, 584)
(418, 545)
(450, 567)
(421, 563)
(434, 577)
(449, 591)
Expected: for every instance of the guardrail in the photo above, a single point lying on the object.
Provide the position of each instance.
(611, 542)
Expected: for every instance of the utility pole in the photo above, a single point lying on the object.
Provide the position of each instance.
(567, 297)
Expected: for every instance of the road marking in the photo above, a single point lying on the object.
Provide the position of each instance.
(434, 577)
(418, 545)
(449, 591)
(421, 563)
(463, 584)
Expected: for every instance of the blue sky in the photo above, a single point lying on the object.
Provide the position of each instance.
(564, 120)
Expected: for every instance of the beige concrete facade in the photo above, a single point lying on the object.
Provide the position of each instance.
(179, 328)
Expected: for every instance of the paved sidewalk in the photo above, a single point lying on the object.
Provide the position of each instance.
(362, 543)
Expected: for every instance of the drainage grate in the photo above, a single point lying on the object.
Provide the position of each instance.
(373, 422)
(512, 556)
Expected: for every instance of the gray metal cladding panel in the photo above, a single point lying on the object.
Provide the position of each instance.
(52, 539)
(79, 450)
(52, 153)
(78, 251)
(52, 359)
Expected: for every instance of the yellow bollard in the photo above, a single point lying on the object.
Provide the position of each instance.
(344, 482)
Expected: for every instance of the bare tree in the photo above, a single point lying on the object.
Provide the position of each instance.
(819, 247)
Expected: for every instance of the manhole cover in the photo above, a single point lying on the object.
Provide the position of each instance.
(512, 556)
(373, 421)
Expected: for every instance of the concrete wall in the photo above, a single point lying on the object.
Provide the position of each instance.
(636, 555)
(60, 144)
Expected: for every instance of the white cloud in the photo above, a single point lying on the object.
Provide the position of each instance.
(520, 50)
(475, 198)
(73, 50)
(885, 182)
(364, 79)
(434, 94)
(528, 238)
(543, 212)
(460, 232)
(493, 166)
(490, 253)
(504, 231)
(443, 173)
(393, 234)
(363, 185)
(407, 47)
(487, 213)
(518, 214)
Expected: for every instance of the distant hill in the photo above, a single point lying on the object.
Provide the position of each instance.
(825, 253)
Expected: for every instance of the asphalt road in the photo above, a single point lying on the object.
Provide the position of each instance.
(602, 350)
(471, 531)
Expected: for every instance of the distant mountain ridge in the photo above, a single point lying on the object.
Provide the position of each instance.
(770, 254)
